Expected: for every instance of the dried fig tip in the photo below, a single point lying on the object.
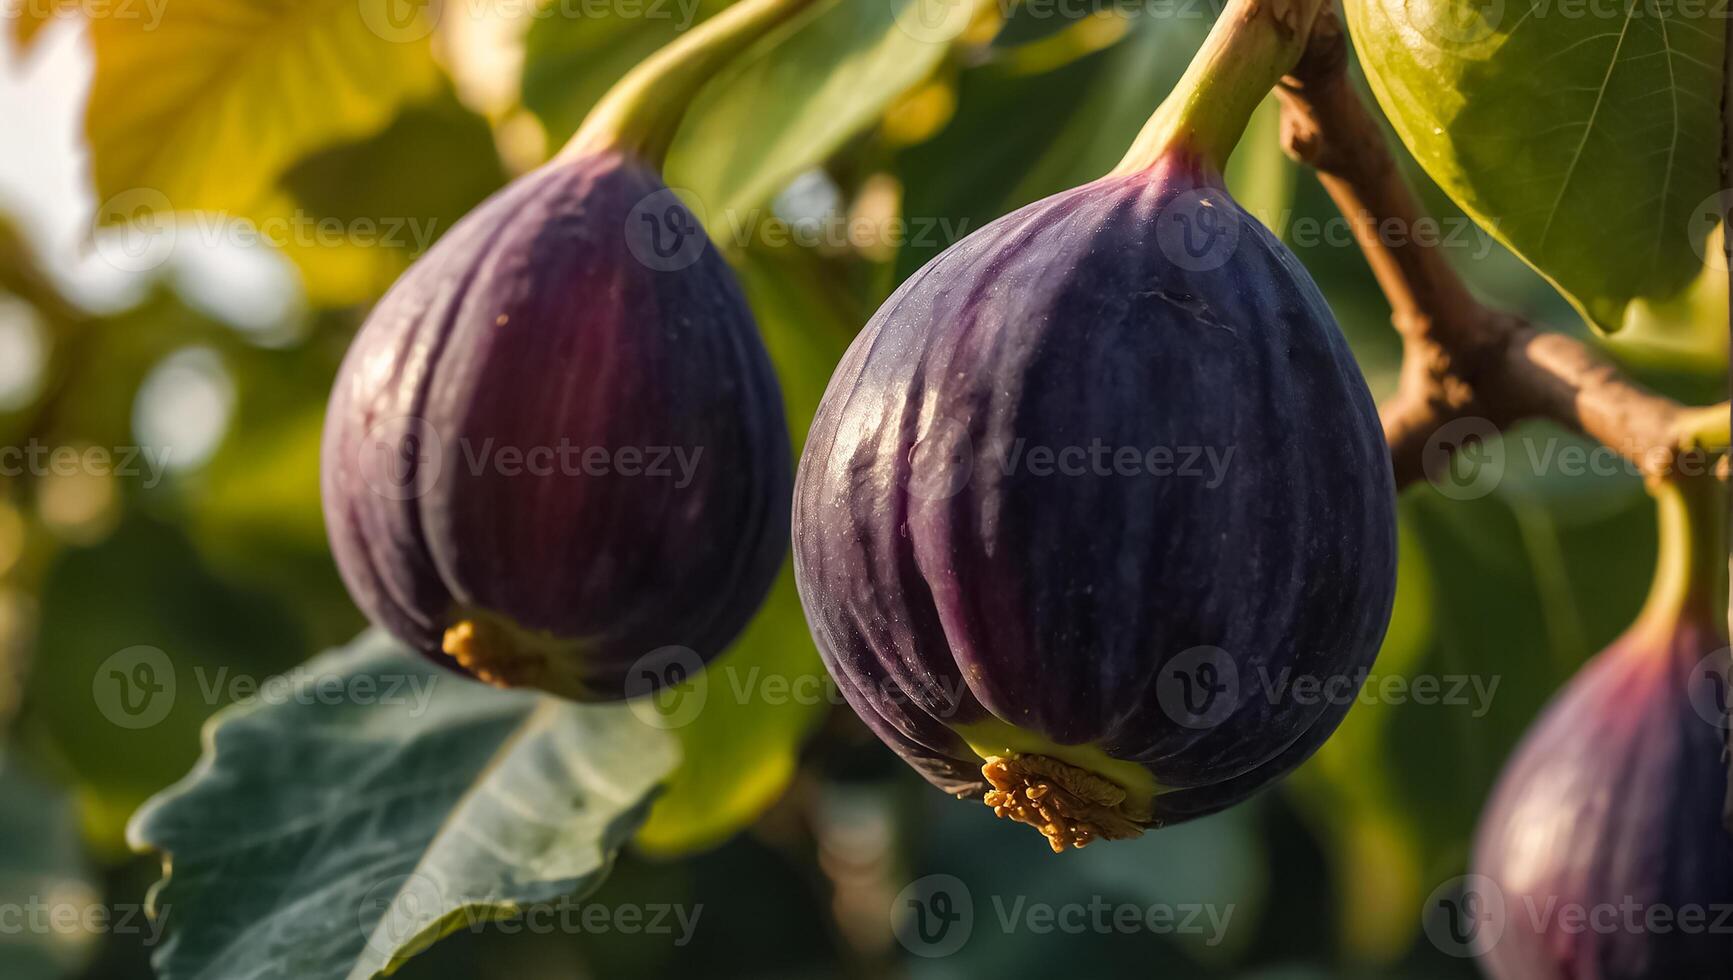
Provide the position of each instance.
(1070, 806)
(496, 654)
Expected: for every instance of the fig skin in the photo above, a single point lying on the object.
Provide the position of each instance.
(1613, 797)
(534, 324)
(957, 600)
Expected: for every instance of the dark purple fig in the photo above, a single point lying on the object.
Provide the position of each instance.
(1087, 491)
(1602, 855)
(557, 447)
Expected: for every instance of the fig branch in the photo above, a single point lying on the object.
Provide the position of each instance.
(1462, 358)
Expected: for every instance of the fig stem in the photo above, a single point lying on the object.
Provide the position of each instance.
(642, 112)
(1252, 45)
(1692, 563)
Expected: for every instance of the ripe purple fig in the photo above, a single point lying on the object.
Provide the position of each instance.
(1602, 855)
(1087, 491)
(557, 447)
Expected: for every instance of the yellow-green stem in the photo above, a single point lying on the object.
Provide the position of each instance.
(1691, 569)
(643, 110)
(1253, 44)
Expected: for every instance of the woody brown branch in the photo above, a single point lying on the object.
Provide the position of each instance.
(1461, 358)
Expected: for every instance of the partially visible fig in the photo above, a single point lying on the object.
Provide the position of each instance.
(1086, 493)
(1602, 850)
(557, 447)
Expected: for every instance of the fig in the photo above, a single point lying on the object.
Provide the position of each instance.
(1083, 494)
(556, 449)
(1601, 853)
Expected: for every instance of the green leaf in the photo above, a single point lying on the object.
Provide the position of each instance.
(375, 804)
(42, 877)
(206, 109)
(1072, 123)
(138, 644)
(394, 192)
(760, 699)
(571, 59)
(1588, 144)
(798, 95)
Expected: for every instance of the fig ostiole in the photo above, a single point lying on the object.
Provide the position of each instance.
(555, 455)
(1095, 482)
(1609, 812)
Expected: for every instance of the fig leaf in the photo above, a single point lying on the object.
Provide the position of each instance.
(203, 107)
(800, 94)
(388, 804)
(1586, 141)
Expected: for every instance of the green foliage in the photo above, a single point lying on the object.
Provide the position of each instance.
(1586, 142)
(42, 873)
(745, 138)
(305, 842)
(206, 109)
(390, 804)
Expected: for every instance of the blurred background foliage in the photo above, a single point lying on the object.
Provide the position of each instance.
(790, 826)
